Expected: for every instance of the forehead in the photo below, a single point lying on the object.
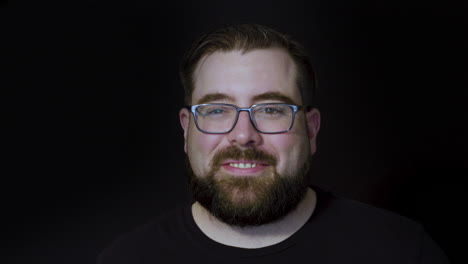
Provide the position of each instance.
(246, 75)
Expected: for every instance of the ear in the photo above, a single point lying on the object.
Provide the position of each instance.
(184, 118)
(313, 127)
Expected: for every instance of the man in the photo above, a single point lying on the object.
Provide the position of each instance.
(249, 133)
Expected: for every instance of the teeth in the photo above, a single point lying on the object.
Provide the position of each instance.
(243, 165)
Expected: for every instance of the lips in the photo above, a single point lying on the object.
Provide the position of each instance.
(246, 162)
(244, 167)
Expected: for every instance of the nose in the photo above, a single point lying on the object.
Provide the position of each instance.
(244, 133)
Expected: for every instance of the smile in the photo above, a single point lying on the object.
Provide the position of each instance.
(243, 165)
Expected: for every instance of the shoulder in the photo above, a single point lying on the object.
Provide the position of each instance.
(147, 241)
(360, 212)
(354, 213)
(367, 232)
(376, 233)
(352, 221)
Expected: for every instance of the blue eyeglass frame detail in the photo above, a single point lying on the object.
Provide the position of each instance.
(295, 108)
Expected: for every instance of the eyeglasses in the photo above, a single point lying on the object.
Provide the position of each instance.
(269, 118)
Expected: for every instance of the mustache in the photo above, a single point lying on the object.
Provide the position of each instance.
(233, 152)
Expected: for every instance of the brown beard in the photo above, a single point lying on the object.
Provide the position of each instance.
(248, 201)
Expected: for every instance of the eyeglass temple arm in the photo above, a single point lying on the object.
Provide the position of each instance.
(306, 108)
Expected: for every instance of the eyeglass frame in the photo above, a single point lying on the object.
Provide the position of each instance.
(295, 108)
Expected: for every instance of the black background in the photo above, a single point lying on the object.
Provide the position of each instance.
(94, 146)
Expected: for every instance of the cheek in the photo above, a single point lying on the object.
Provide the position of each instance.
(201, 142)
(292, 149)
(201, 148)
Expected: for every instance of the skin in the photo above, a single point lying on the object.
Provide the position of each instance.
(258, 76)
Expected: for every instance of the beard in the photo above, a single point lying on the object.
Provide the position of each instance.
(248, 200)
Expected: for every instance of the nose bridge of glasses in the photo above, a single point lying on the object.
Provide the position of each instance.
(248, 113)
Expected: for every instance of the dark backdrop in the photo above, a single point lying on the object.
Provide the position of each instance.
(93, 139)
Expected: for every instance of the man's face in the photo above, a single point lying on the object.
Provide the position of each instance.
(216, 160)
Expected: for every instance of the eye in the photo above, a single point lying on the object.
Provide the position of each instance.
(272, 110)
(215, 111)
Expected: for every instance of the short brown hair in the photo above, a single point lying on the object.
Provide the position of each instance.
(246, 37)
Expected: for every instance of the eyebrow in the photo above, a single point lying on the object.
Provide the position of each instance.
(214, 97)
(277, 96)
(274, 96)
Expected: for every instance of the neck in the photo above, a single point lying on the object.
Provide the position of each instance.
(255, 236)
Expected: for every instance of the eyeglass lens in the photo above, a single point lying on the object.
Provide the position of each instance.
(267, 118)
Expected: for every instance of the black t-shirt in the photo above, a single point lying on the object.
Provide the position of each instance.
(339, 231)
